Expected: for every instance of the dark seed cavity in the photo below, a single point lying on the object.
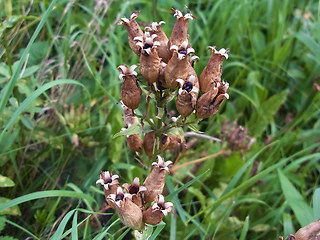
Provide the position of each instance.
(147, 45)
(119, 197)
(184, 52)
(108, 180)
(134, 189)
(187, 86)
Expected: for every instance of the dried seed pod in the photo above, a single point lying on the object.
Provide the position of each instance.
(161, 82)
(150, 65)
(128, 116)
(136, 191)
(133, 30)
(109, 182)
(209, 103)
(309, 232)
(156, 180)
(148, 143)
(187, 96)
(211, 74)
(155, 213)
(135, 143)
(130, 89)
(179, 32)
(129, 213)
(177, 66)
(162, 49)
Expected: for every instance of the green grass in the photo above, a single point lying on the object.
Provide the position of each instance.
(59, 85)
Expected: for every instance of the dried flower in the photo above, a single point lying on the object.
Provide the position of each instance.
(179, 32)
(156, 179)
(133, 30)
(161, 37)
(130, 89)
(129, 213)
(211, 74)
(187, 96)
(150, 65)
(148, 143)
(128, 116)
(136, 191)
(109, 182)
(155, 213)
(135, 143)
(209, 103)
(177, 66)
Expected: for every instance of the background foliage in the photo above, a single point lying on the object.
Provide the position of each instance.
(59, 88)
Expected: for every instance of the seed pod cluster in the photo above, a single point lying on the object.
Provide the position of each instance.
(167, 65)
(138, 205)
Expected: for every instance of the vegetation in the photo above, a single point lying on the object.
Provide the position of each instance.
(58, 116)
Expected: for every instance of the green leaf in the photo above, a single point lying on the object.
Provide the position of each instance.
(45, 194)
(261, 119)
(2, 222)
(193, 128)
(62, 225)
(6, 182)
(27, 122)
(245, 229)
(11, 209)
(7, 238)
(300, 208)
(316, 204)
(287, 225)
(159, 228)
(133, 129)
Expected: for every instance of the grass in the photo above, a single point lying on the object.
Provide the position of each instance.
(58, 115)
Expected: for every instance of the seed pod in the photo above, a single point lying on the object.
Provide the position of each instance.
(162, 49)
(177, 66)
(211, 74)
(148, 143)
(128, 116)
(187, 96)
(209, 103)
(130, 89)
(309, 232)
(150, 65)
(135, 143)
(156, 180)
(136, 191)
(129, 213)
(161, 82)
(155, 213)
(109, 182)
(179, 32)
(133, 30)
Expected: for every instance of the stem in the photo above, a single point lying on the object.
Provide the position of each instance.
(174, 168)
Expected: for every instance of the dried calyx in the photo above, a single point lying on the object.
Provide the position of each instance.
(130, 202)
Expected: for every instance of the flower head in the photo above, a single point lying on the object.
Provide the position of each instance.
(147, 43)
(118, 197)
(135, 187)
(161, 164)
(107, 180)
(162, 206)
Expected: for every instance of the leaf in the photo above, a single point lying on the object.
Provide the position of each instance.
(44, 194)
(300, 208)
(245, 229)
(27, 122)
(7, 238)
(287, 225)
(316, 204)
(11, 210)
(6, 182)
(2, 222)
(62, 225)
(133, 129)
(193, 128)
(261, 119)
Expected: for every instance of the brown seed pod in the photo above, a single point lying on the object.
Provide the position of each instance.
(129, 213)
(179, 32)
(133, 30)
(156, 180)
(309, 232)
(162, 49)
(109, 182)
(136, 191)
(130, 89)
(150, 65)
(135, 143)
(161, 82)
(155, 213)
(177, 66)
(209, 103)
(148, 143)
(211, 74)
(187, 96)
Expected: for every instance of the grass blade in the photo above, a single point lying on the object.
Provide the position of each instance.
(5, 93)
(74, 232)
(62, 225)
(316, 204)
(300, 208)
(45, 194)
(244, 229)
